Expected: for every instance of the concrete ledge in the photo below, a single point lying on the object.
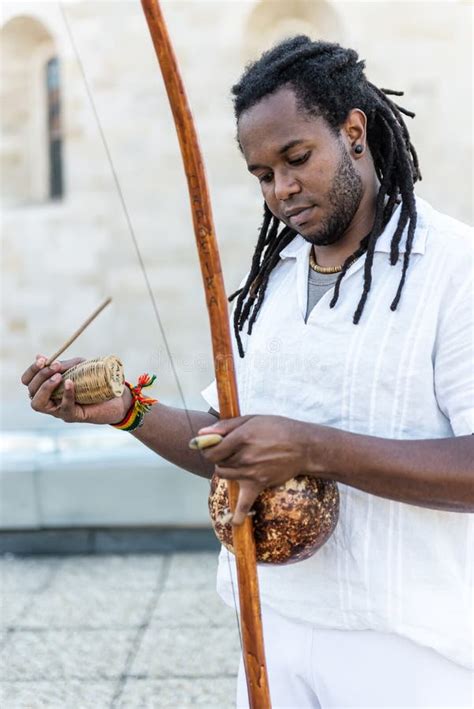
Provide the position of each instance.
(94, 477)
(107, 541)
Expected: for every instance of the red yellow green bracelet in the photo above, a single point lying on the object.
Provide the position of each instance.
(140, 404)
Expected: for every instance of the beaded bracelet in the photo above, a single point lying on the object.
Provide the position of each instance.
(141, 404)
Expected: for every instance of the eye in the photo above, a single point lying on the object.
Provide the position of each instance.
(266, 178)
(300, 160)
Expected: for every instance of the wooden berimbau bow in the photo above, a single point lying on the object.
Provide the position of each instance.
(243, 541)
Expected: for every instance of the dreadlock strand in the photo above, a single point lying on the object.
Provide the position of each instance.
(392, 92)
(345, 267)
(274, 245)
(265, 278)
(397, 111)
(286, 236)
(377, 228)
(241, 294)
(369, 259)
(406, 260)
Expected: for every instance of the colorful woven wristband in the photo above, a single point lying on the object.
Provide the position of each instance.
(140, 405)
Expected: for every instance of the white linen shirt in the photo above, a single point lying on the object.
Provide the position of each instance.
(408, 374)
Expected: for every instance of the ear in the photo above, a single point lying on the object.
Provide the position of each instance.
(354, 132)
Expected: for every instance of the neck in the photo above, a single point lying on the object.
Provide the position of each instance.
(360, 226)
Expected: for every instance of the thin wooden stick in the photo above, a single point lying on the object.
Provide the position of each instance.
(79, 331)
(253, 650)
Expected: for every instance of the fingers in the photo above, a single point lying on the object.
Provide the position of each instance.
(39, 365)
(42, 375)
(227, 453)
(33, 369)
(249, 490)
(41, 398)
(38, 373)
(232, 473)
(231, 449)
(67, 409)
(66, 364)
(248, 493)
(225, 426)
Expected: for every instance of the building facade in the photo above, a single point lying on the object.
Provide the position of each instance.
(65, 239)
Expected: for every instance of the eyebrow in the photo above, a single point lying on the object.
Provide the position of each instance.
(282, 151)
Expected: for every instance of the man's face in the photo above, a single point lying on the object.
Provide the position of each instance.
(306, 174)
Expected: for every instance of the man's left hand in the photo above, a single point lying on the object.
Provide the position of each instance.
(259, 452)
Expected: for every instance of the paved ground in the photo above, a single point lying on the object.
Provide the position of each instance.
(141, 630)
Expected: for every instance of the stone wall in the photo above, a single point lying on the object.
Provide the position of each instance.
(61, 258)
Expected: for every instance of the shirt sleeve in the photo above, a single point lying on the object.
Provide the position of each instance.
(209, 395)
(454, 362)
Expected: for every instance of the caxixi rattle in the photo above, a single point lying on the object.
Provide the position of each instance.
(95, 380)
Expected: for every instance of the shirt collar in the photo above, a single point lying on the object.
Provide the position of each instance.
(299, 246)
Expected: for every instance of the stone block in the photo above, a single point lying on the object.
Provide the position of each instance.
(56, 655)
(88, 607)
(182, 693)
(46, 541)
(187, 651)
(185, 573)
(18, 501)
(113, 572)
(26, 574)
(159, 540)
(57, 694)
(13, 608)
(186, 607)
(115, 490)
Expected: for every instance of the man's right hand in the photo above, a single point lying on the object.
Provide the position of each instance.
(42, 381)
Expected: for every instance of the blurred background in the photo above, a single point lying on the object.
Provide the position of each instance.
(65, 240)
(85, 620)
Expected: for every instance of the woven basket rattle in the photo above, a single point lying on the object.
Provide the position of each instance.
(95, 380)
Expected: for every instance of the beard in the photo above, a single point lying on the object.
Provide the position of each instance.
(344, 198)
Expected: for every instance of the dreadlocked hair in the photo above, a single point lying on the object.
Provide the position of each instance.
(329, 82)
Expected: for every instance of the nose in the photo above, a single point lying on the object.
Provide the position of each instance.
(285, 185)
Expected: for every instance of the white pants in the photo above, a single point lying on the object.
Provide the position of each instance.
(322, 669)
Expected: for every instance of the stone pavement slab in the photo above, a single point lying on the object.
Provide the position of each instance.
(65, 654)
(110, 631)
(56, 694)
(139, 571)
(192, 571)
(26, 574)
(217, 693)
(88, 607)
(13, 607)
(181, 608)
(193, 652)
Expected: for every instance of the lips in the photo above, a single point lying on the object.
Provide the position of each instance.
(297, 217)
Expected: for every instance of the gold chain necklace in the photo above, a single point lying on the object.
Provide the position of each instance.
(325, 269)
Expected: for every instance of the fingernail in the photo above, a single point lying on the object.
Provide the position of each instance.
(68, 384)
(56, 378)
(40, 362)
(55, 366)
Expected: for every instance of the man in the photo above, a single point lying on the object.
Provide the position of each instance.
(356, 366)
